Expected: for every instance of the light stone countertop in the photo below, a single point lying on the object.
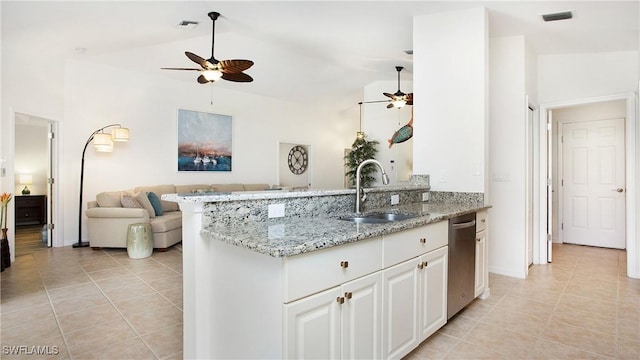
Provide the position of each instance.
(276, 194)
(285, 237)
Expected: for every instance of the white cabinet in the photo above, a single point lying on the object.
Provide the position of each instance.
(342, 322)
(433, 292)
(401, 294)
(372, 299)
(415, 302)
(312, 327)
(482, 264)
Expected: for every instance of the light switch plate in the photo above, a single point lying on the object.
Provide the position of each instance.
(395, 199)
(276, 210)
(425, 196)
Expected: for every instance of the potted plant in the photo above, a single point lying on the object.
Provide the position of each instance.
(361, 150)
(5, 255)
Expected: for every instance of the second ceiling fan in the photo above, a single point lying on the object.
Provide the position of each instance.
(399, 99)
(212, 69)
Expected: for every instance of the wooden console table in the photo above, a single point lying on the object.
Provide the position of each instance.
(31, 210)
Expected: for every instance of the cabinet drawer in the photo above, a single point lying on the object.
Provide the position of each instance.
(312, 272)
(481, 220)
(28, 212)
(401, 246)
(30, 201)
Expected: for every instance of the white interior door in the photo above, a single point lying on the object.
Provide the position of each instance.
(593, 183)
(50, 182)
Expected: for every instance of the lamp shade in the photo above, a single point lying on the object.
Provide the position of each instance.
(26, 179)
(120, 134)
(103, 142)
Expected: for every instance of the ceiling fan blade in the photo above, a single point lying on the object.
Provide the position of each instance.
(388, 95)
(180, 69)
(198, 60)
(410, 99)
(237, 77)
(234, 66)
(202, 80)
(390, 106)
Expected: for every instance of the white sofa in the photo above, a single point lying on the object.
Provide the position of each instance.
(108, 220)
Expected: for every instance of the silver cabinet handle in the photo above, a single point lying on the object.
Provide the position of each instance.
(464, 225)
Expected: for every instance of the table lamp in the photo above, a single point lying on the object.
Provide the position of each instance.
(26, 179)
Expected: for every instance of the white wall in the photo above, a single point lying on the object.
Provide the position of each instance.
(83, 96)
(380, 123)
(147, 105)
(507, 157)
(450, 86)
(580, 76)
(31, 155)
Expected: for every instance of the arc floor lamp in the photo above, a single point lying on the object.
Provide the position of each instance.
(103, 142)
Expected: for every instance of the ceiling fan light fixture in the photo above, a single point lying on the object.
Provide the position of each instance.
(398, 103)
(212, 75)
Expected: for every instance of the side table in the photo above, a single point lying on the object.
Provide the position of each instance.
(139, 241)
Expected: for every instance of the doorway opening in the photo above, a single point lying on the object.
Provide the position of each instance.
(33, 169)
(552, 210)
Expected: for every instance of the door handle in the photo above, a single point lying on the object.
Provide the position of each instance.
(619, 190)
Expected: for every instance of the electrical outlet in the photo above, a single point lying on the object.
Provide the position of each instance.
(276, 210)
(395, 199)
(425, 196)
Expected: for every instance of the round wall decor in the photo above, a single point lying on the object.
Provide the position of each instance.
(298, 160)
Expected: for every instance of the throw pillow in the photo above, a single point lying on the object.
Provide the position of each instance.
(155, 202)
(109, 199)
(146, 204)
(129, 200)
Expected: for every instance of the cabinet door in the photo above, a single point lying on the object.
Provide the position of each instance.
(433, 291)
(362, 318)
(481, 263)
(400, 332)
(312, 326)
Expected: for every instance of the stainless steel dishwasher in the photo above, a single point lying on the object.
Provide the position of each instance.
(462, 262)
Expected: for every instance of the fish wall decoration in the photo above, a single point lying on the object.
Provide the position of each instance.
(403, 134)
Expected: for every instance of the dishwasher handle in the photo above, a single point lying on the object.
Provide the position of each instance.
(463, 225)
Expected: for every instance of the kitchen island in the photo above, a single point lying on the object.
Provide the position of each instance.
(257, 287)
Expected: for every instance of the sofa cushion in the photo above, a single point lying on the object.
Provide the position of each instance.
(109, 199)
(128, 200)
(156, 203)
(143, 199)
(161, 190)
(169, 221)
(227, 187)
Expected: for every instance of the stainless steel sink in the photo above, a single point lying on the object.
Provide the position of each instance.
(376, 218)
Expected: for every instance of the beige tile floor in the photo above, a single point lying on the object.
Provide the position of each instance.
(87, 304)
(101, 304)
(582, 306)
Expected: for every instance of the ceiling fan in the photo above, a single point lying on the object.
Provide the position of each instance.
(212, 69)
(399, 99)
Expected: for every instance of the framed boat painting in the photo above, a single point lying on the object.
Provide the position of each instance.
(204, 141)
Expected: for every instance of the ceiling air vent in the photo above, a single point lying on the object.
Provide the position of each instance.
(187, 24)
(564, 15)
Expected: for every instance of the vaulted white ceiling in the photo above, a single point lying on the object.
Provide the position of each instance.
(303, 50)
